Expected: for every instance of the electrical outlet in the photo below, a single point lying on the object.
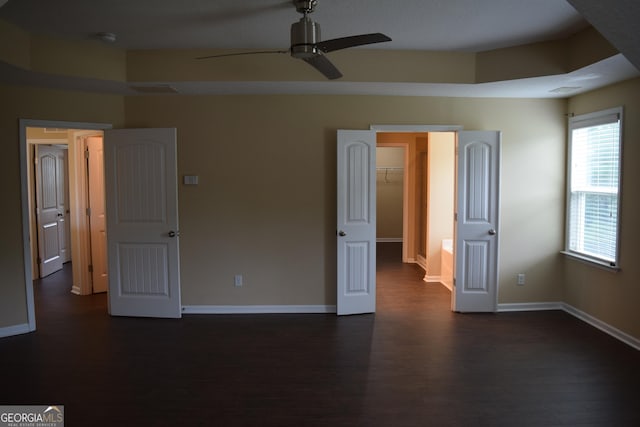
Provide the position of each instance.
(520, 279)
(237, 280)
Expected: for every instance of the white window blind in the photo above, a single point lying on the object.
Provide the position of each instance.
(593, 186)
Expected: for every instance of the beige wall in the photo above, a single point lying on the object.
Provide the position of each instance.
(29, 103)
(440, 195)
(274, 222)
(613, 297)
(252, 214)
(389, 192)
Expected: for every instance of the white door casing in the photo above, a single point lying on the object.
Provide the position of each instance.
(50, 208)
(356, 223)
(477, 221)
(97, 213)
(142, 222)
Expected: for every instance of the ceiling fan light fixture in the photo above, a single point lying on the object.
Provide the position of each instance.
(307, 45)
(305, 34)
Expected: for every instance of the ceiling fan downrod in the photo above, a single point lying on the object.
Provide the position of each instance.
(305, 6)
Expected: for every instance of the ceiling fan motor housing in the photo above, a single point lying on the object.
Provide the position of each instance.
(304, 36)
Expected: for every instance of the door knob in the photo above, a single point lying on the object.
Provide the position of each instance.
(341, 233)
(492, 232)
(174, 233)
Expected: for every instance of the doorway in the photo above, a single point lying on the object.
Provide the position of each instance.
(69, 134)
(49, 198)
(53, 153)
(415, 180)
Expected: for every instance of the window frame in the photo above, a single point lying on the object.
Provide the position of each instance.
(584, 121)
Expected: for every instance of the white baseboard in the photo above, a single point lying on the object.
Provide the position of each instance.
(8, 331)
(430, 279)
(257, 309)
(531, 306)
(587, 318)
(604, 327)
(447, 285)
(389, 239)
(75, 290)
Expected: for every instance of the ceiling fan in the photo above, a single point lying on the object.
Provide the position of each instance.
(307, 45)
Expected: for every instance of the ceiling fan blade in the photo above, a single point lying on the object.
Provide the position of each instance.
(351, 41)
(322, 64)
(260, 52)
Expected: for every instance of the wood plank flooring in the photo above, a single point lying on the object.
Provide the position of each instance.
(413, 363)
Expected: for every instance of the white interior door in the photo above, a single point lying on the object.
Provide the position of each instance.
(50, 208)
(97, 213)
(356, 222)
(476, 225)
(64, 231)
(142, 222)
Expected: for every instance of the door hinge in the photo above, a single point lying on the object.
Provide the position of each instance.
(454, 282)
(455, 217)
(86, 153)
(39, 260)
(88, 211)
(90, 268)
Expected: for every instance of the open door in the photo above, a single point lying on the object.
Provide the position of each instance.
(50, 208)
(356, 223)
(142, 222)
(476, 221)
(97, 213)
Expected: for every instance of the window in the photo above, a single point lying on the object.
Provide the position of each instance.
(594, 186)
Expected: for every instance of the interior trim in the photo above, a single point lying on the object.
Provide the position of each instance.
(257, 309)
(9, 331)
(587, 318)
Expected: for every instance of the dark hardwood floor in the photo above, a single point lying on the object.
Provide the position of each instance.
(413, 363)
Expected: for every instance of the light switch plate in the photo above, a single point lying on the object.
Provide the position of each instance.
(190, 180)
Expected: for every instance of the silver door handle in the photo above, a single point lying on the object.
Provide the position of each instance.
(173, 233)
(341, 233)
(492, 232)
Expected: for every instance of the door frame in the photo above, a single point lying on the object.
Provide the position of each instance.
(82, 277)
(405, 196)
(24, 198)
(382, 128)
(32, 144)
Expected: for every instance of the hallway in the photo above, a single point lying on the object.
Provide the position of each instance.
(413, 363)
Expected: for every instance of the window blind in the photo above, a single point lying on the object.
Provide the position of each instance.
(594, 186)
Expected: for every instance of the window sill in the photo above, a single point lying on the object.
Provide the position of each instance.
(603, 265)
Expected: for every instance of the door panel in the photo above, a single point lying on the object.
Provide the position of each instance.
(356, 222)
(97, 217)
(142, 222)
(50, 208)
(477, 209)
(64, 229)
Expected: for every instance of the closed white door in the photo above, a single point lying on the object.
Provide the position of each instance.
(356, 234)
(50, 208)
(476, 225)
(97, 213)
(142, 222)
